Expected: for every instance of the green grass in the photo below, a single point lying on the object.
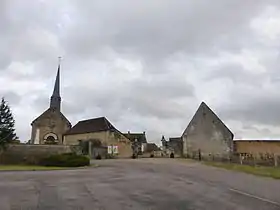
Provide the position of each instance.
(273, 172)
(37, 168)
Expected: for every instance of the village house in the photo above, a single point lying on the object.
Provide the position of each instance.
(206, 135)
(102, 133)
(152, 150)
(138, 141)
(173, 146)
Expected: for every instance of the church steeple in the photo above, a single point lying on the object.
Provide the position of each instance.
(55, 102)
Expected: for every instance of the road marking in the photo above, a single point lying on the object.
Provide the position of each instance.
(254, 196)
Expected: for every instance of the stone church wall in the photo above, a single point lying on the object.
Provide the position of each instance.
(31, 154)
(50, 122)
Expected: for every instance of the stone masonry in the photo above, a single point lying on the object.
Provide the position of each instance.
(207, 134)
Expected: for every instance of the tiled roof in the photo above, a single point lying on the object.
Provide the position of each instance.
(90, 126)
(175, 139)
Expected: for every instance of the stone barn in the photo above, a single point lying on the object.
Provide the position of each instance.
(99, 130)
(207, 135)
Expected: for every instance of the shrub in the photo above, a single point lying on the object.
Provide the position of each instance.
(66, 160)
(98, 157)
(134, 156)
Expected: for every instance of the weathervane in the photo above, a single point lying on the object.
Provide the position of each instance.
(59, 60)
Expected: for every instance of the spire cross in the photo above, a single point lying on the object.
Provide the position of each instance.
(59, 60)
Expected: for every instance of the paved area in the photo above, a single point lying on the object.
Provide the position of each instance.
(138, 184)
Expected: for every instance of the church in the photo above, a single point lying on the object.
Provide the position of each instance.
(50, 126)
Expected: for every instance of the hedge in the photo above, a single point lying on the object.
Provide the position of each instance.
(66, 160)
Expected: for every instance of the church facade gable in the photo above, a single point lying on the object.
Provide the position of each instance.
(50, 126)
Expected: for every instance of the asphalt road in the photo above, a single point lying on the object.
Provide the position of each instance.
(138, 184)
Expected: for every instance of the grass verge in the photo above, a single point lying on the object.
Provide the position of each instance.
(273, 172)
(27, 168)
(38, 168)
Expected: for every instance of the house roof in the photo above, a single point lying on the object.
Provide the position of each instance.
(175, 139)
(152, 147)
(141, 137)
(90, 126)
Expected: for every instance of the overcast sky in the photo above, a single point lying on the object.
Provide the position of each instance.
(145, 65)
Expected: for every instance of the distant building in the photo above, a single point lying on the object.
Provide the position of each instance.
(207, 134)
(153, 149)
(49, 127)
(174, 145)
(99, 131)
(138, 140)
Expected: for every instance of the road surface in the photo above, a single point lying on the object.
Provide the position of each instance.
(144, 184)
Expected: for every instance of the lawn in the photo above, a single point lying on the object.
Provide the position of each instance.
(36, 168)
(273, 172)
(27, 168)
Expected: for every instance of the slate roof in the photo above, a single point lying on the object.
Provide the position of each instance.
(91, 126)
(141, 137)
(175, 139)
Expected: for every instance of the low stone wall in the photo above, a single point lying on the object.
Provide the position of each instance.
(32, 154)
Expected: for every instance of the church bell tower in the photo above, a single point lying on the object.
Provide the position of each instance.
(50, 126)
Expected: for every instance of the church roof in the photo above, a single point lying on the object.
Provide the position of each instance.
(56, 88)
(90, 126)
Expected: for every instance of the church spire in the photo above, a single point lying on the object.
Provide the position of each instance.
(55, 98)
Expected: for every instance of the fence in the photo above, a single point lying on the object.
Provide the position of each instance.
(261, 159)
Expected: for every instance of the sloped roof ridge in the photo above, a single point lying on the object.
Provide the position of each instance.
(203, 104)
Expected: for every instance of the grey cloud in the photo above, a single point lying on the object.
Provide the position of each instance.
(151, 33)
(11, 97)
(236, 73)
(263, 109)
(155, 98)
(160, 28)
